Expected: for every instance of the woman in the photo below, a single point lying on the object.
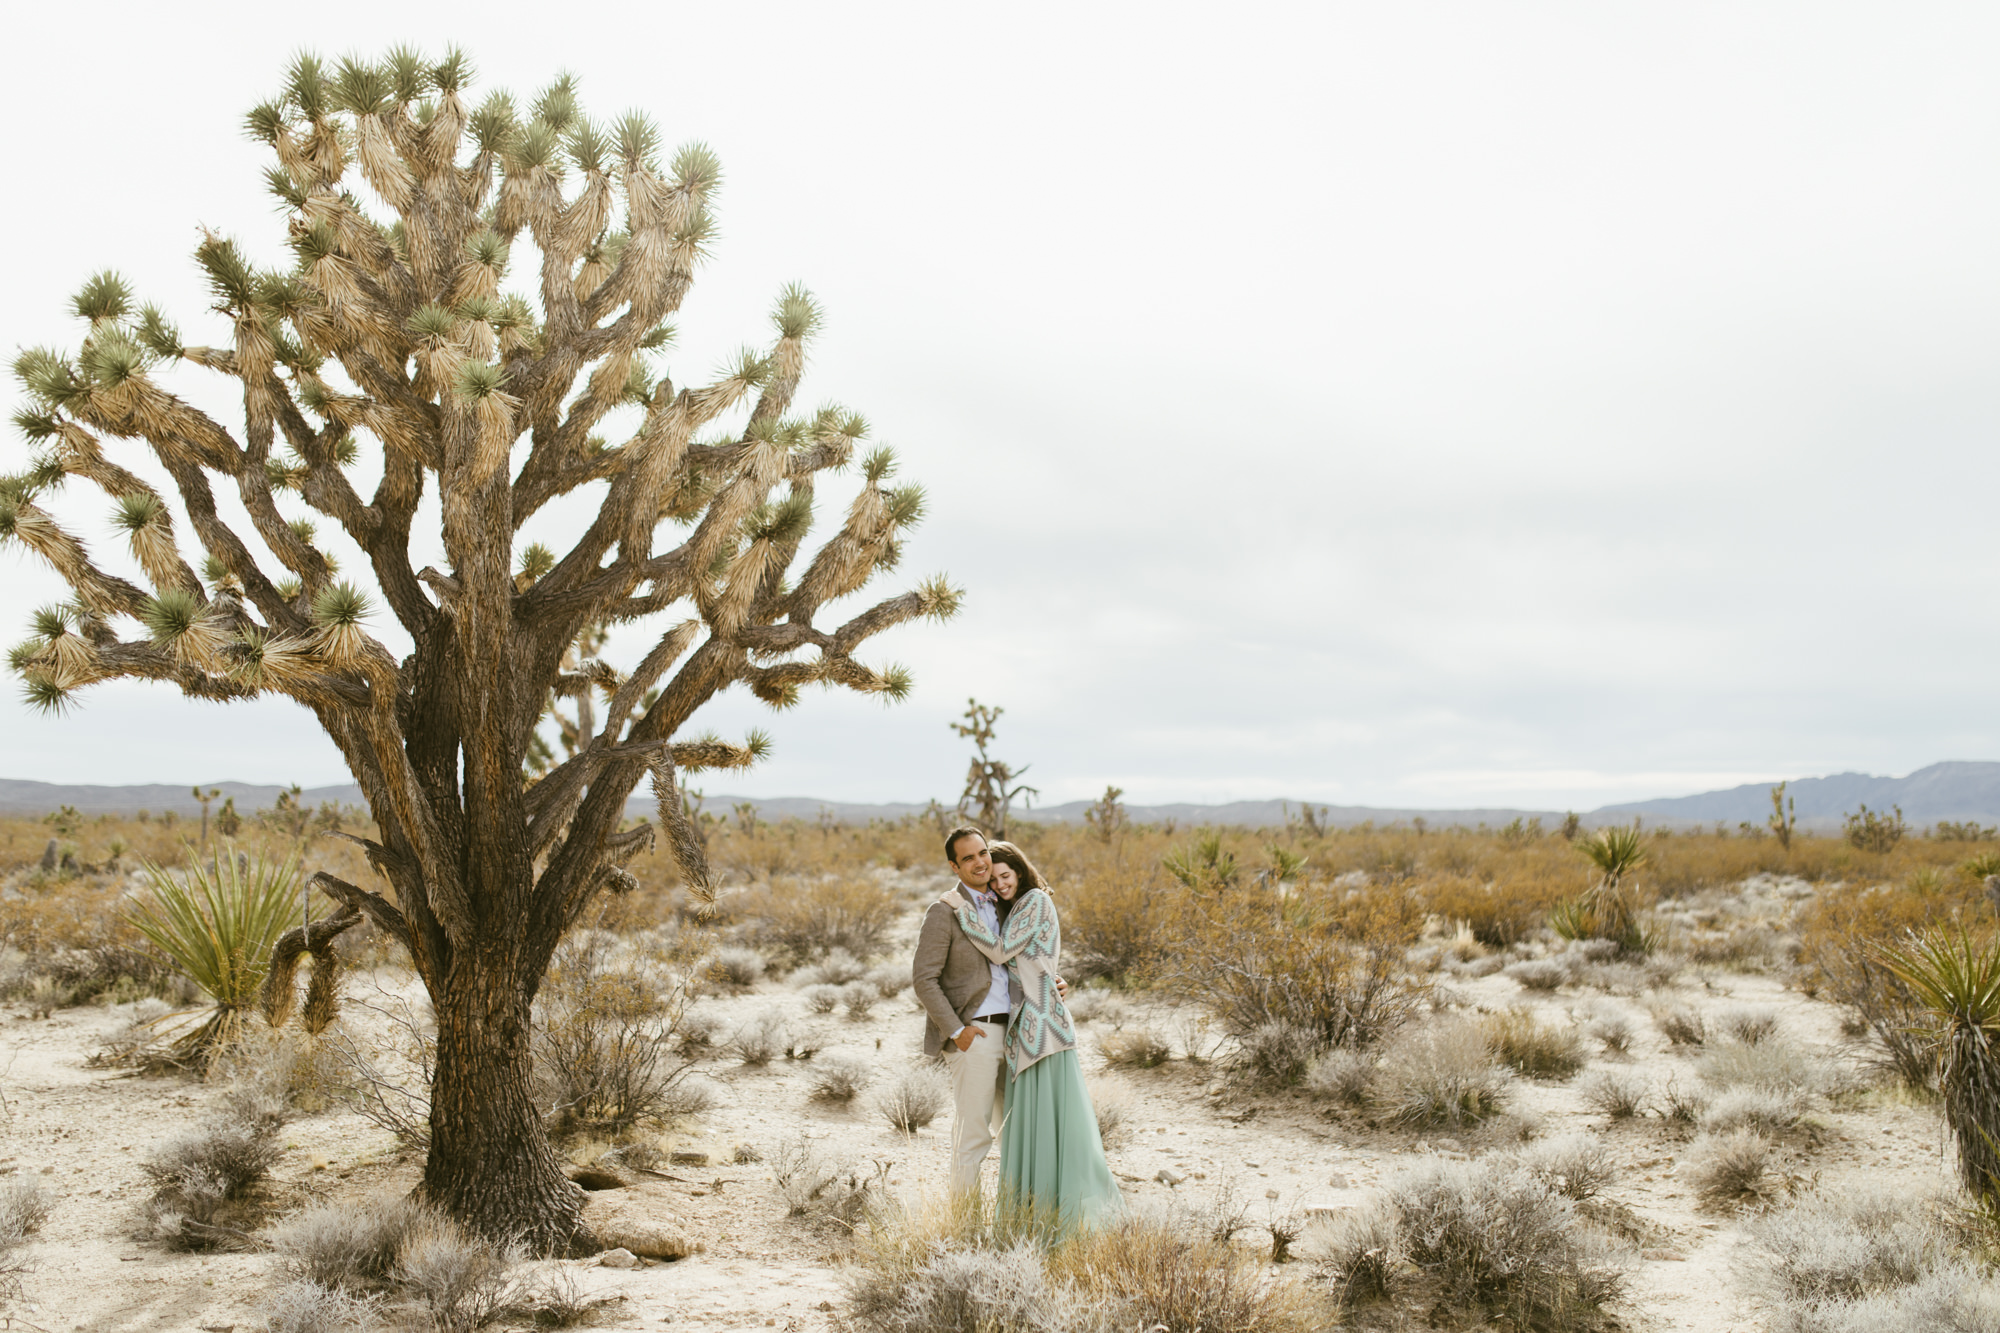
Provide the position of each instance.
(1052, 1165)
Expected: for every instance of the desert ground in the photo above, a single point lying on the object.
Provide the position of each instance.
(1627, 1061)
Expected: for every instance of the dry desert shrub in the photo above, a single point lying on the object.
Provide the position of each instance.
(460, 1281)
(1111, 897)
(915, 1099)
(737, 968)
(1328, 960)
(1576, 1166)
(837, 968)
(1866, 1260)
(1616, 1093)
(304, 1306)
(837, 1079)
(974, 1291)
(1357, 1251)
(24, 1205)
(821, 999)
(1114, 1115)
(1168, 1274)
(1766, 1110)
(1680, 1024)
(606, 1028)
(1843, 933)
(1342, 1076)
(889, 980)
(1683, 1102)
(1612, 1031)
(1540, 974)
(1775, 1067)
(1730, 1167)
(1439, 1074)
(760, 1040)
(1501, 912)
(1531, 1047)
(348, 1246)
(202, 1177)
(1496, 1238)
(1134, 1048)
(1094, 1004)
(827, 1187)
(1278, 1054)
(1748, 1024)
(798, 921)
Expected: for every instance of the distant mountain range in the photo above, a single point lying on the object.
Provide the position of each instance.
(1959, 790)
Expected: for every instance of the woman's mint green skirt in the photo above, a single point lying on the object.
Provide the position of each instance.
(1052, 1167)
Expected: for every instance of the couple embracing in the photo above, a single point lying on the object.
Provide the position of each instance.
(985, 972)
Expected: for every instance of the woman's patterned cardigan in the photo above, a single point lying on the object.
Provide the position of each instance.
(1031, 944)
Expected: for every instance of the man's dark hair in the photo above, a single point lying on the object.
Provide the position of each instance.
(962, 831)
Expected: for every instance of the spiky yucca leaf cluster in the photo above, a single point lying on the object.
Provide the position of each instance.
(1957, 977)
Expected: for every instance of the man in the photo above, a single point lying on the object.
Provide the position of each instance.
(967, 999)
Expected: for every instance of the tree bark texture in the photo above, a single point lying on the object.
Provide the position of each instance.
(491, 1165)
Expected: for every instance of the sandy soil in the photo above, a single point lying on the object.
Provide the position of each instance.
(84, 1129)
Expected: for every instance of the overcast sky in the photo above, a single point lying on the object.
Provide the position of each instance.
(1403, 404)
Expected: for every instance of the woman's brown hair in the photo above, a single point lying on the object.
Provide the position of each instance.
(1007, 854)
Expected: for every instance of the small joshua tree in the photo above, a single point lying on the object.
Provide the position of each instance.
(388, 344)
(988, 797)
(205, 797)
(1784, 815)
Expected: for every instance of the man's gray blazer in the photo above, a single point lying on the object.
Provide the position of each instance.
(951, 977)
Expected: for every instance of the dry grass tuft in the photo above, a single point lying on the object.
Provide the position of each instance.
(1540, 974)
(837, 1079)
(1865, 1261)
(304, 1306)
(1279, 1054)
(1749, 1025)
(1442, 1074)
(1729, 1168)
(1767, 1110)
(1497, 1239)
(1134, 1048)
(461, 1281)
(915, 1099)
(1534, 1048)
(1681, 1024)
(1341, 1076)
(1618, 1094)
(349, 1246)
(1576, 1166)
(825, 1186)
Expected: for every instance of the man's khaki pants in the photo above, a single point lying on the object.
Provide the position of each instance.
(978, 1101)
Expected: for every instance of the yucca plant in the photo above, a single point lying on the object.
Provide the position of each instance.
(1608, 911)
(1957, 978)
(217, 925)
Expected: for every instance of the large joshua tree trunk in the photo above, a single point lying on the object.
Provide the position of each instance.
(490, 1163)
(391, 345)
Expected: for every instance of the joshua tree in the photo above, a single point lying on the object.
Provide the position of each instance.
(205, 797)
(986, 781)
(1784, 815)
(1107, 818)
(390, 344)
